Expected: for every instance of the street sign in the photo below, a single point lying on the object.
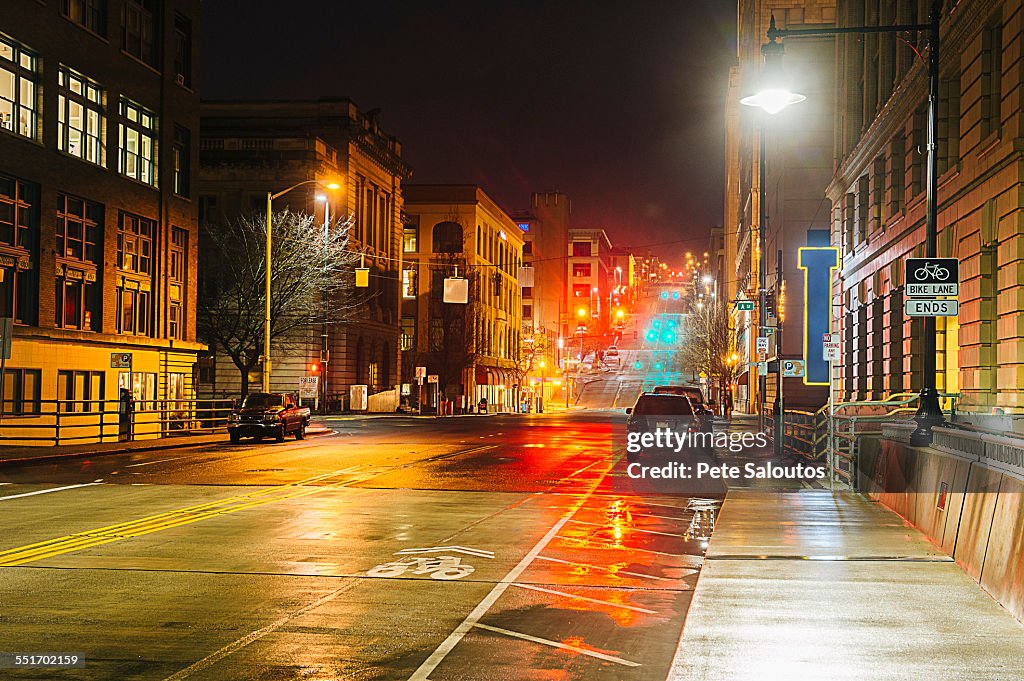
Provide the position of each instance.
(432, 378)
(762, 344)
(830, 347)
(932, 277)
(309, 387)
(768, 330)
(6, 334)
(421, 372)
(120, 360)
(762, 368)
(931, 307)
(792, 368)
(744, 305)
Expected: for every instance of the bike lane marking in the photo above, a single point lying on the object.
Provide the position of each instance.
(47, 491)
(556, 644)
(431, 663)
(566, 594)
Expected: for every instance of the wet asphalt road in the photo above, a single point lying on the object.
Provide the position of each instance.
(472, 548)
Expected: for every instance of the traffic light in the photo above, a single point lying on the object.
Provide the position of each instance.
(652, 335)
(668, 337)
(675, 295)
(620, 313)
(769, 303)
(581, 312)
(664, 295)
(638, 365)
(314, 367)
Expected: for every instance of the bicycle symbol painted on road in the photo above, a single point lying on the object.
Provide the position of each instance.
(931, 270)
(438, 567)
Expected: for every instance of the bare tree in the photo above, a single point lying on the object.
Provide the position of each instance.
(708, 345)
(306, 264)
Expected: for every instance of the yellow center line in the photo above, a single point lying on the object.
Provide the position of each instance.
(167, 520)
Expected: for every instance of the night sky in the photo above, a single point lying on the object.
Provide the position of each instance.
(620, 105)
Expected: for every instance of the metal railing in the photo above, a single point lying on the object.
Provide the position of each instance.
(57, 422)
(836, 437)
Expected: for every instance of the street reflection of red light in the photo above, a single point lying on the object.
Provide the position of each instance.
(578, 642)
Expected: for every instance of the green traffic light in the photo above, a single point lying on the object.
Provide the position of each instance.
(638, 365)
(652, 336)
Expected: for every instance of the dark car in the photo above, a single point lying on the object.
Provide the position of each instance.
(695, 395)
(268, 415)
(652, 411)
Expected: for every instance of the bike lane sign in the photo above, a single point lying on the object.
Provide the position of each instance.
(928, 277)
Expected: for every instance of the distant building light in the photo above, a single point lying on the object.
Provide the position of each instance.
(525, 226)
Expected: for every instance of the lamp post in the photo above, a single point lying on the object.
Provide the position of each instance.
(267, 268)
(775, 96)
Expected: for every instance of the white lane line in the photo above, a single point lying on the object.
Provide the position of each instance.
(531, 587)
(431, 663)
(634, 529)
(47, 491)
(583, 469)
(4, 483)
(556, 644)
(618, 572)
(150, 463)
(649, 503)
(693, 558)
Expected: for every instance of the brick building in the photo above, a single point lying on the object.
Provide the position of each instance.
(98, 222)
(878, 199)
(473, 348)
(251, 147)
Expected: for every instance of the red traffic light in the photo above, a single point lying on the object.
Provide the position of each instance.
(314, 367)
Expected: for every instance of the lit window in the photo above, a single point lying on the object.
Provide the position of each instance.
(408, 333)
(19, 92)
(80, 117)
(138, 142)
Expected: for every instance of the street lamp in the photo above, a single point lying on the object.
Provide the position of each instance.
(267, 267)
(929, 413)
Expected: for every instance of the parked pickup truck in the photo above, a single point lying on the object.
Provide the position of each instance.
(268, 415)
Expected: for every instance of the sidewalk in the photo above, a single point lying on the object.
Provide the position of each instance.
(815, 585)
(41, 454)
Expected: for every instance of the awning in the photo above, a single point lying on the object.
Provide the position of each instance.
(742, 379)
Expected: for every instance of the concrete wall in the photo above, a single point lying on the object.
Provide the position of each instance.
(972, 510)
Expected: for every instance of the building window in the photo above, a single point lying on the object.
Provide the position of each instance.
(991, 79)
(79, 229)
(949, 123)
(135, 244)
(80, 117)
(76, 302)
(21, 391)
(436, 335)
(581, 290)
(19, 92)
(409, 283)
(138, 142)
(408, 333)
(528, 248)
(80, 391)
(582, 249)
(581, 269)
(897, 174)
(411, 238)
(79, 249)
(91, 14)
(527, 312)
(143, 387)
(527, 292)
(19, 229)
(181, 153)
(138, 30)
(178, 266)
(133, 310)
(183, 50)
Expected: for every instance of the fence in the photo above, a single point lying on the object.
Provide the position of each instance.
(836, 439)
(60, 422)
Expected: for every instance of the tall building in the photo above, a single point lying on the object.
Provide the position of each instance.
(545, 228)
(878, 200)
(458, 231)
(798, 167)
(98, 220)
(590, 280)
(252, 147)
